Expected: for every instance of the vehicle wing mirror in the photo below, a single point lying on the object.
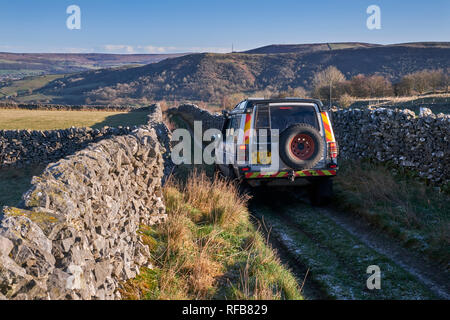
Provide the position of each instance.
(225, 113)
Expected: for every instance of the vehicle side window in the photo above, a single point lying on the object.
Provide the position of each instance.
(236, 122)
(236, 125)
(232, 125)
(262, 117)
(240, 105)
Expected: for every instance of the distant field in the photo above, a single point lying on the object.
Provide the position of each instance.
(11, 119)
(19, 65)
(24, 86)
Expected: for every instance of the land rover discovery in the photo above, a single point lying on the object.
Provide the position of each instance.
(298, 130)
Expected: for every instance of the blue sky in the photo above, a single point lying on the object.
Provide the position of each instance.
(154, 26)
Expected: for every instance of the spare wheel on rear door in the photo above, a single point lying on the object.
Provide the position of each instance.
(301, 146)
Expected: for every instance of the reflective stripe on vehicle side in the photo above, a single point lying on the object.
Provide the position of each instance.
(329, 134)
(248, 122)
(283, 174)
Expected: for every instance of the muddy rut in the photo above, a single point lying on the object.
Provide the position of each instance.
(329, 252)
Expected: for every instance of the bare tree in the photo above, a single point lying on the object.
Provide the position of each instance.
(329, 77)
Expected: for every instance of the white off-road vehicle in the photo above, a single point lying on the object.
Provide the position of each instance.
(280, 142)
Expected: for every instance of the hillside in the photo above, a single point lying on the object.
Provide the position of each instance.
(307, 48)
(19, 65)
(314, 47)
(209, 77)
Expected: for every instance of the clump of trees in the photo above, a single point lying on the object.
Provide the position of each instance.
(424, 81)
(331, 83)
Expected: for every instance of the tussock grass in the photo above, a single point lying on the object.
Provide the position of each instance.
(209, 249)
(394, 201)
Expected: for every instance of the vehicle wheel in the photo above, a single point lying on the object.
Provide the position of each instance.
(321, 192)
(301, 146)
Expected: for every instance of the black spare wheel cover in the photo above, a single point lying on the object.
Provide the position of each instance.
(301, 146)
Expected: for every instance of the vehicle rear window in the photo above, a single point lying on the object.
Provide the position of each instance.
(283, 117)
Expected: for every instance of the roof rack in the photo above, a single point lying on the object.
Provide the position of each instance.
(290, 99)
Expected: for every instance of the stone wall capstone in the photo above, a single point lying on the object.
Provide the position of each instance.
(76, 235)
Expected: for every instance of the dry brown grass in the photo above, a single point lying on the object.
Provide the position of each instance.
(208, 249)
(219, 200)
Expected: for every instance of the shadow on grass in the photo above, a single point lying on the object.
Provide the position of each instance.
(133, 118)
(14, 182)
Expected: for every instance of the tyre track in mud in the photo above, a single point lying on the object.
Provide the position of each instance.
(426, 280)
(436, 280)
(310, 289)
(429, 274)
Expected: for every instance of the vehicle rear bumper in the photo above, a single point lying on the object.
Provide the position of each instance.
(288, 174)
(287, 178)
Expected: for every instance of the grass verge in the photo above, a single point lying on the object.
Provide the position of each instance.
(395, 202)
(209, 249)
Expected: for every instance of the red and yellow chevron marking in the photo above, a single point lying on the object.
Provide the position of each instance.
(285, 174)
(327, 126)
(248, 122)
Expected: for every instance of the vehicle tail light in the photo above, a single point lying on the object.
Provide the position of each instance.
(332, 150)
(242, 155)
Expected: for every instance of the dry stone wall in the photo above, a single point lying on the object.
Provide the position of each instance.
(76, 235)
(418, 142)
(191, 113)
(31, 106)
(23, 147)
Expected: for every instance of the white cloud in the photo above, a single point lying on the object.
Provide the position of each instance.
(149, 49)
(119, 48)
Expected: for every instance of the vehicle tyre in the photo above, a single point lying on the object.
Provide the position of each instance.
(321, 192)
(301, 146)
